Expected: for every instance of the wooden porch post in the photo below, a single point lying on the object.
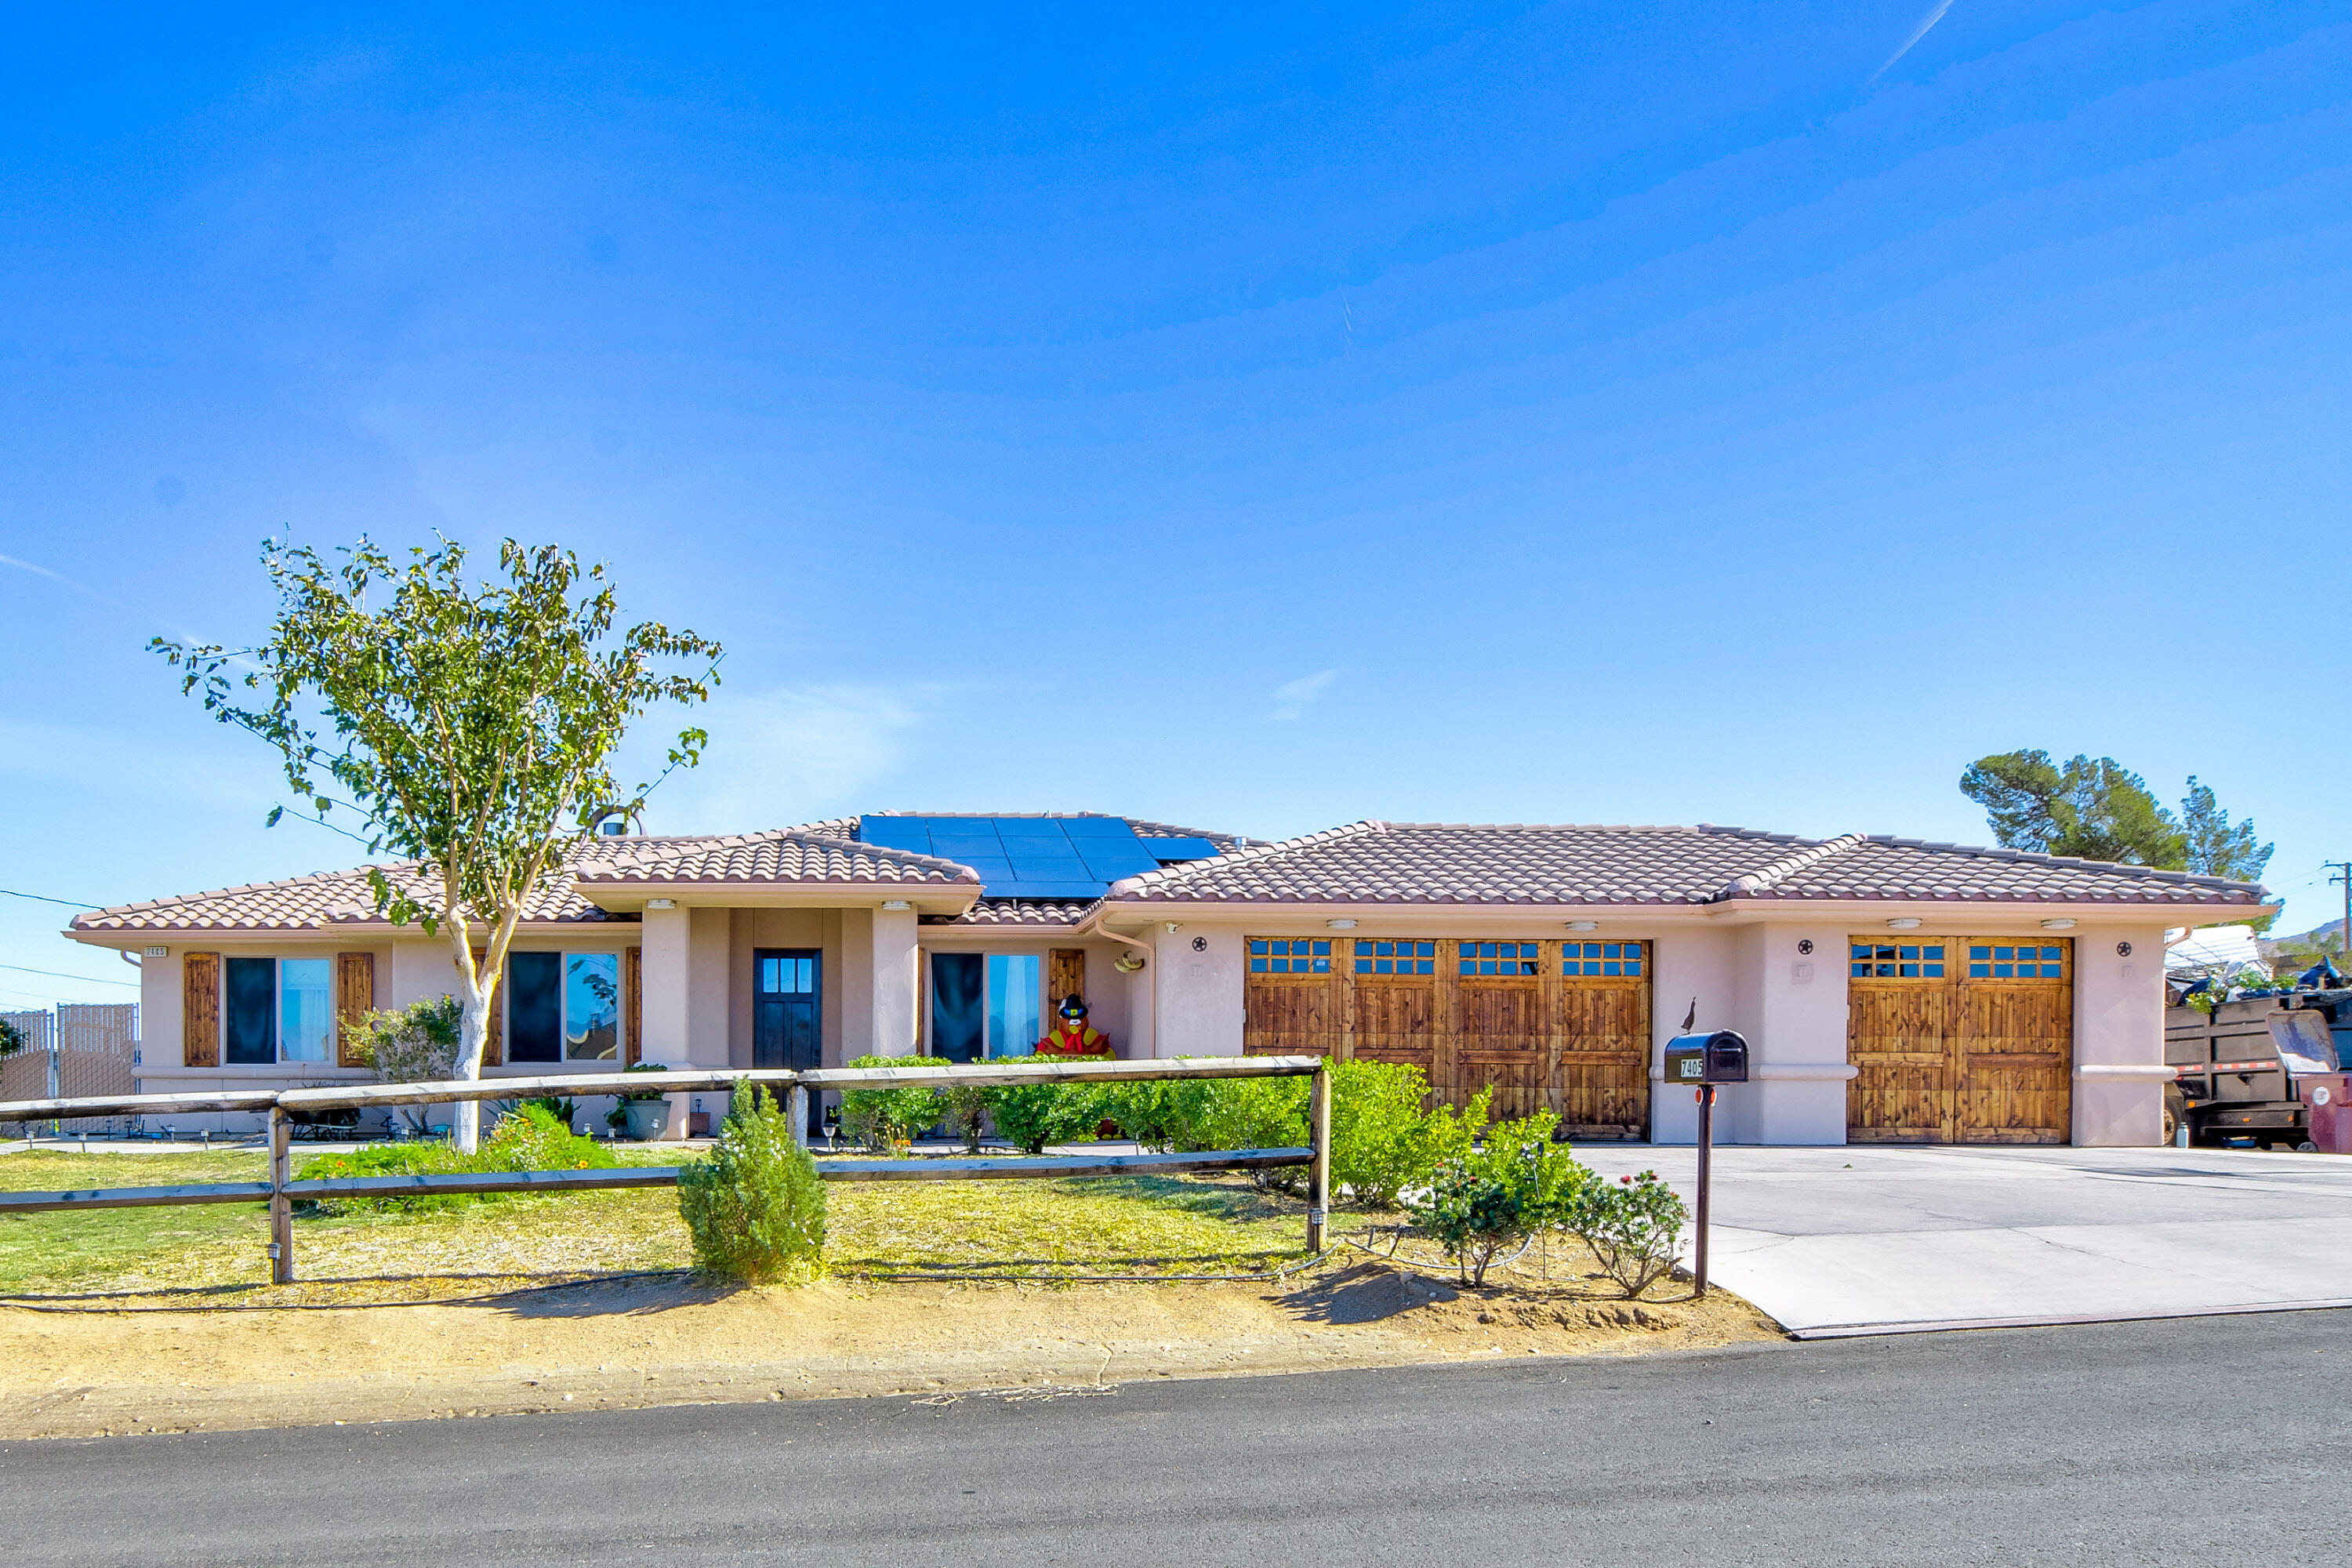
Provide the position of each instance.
(1318, 1172)
(281, 1207)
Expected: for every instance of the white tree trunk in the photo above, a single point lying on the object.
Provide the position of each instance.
(473, 1039)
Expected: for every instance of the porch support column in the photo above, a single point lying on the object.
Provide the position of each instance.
(896, 984)
(666, 1003)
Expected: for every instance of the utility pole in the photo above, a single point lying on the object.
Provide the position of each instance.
(2342, 870)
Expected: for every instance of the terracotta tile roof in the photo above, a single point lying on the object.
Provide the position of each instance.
(1880, 867)
(1033, 912)
(785, 855)
(339, 899)
(323, 899)
(1447, 863)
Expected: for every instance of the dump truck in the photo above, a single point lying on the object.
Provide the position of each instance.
(2236, 1070)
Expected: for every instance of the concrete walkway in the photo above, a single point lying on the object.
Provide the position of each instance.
(1876, 1239)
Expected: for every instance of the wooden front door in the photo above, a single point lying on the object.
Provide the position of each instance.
(1960, 1040)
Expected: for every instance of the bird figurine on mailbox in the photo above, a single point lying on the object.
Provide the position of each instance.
(1071, 1035)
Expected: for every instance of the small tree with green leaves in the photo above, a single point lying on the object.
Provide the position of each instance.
(11, 1038)
(755, 1208)
(415, 1044)
(470, 727)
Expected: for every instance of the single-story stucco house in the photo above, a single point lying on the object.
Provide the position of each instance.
(1891, 990)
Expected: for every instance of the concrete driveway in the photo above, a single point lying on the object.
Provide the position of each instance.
(1876, 1239)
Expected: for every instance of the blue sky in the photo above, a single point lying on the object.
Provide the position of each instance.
(1486, 412)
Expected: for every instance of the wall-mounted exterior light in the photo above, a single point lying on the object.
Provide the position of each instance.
(1584, 925)
(661, 903)
(1904, 922)
(897, 904)
(2060, 924)
(1340, 925)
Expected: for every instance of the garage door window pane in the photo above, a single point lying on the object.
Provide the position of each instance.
(1896, 961)
(1396, 958)
(1996, 961)
(1601, 958)
(1289, 956)
(1500, 958)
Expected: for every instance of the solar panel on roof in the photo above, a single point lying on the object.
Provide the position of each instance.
(1028, 857)
(909, 833)
(1181, 848)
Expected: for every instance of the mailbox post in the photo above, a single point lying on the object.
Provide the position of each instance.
(1703, 1061)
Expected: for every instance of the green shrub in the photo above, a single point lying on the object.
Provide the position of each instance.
(1472, 1214)
(565, 1112)
(1380, 1136)
(756, 1206)
(529, 1139)
(881, 1119)
(1633, 1225)
(534, 1139)
(1031, 1115)
(1546, 1179)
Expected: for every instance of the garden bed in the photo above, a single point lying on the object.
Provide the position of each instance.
(149, 1320)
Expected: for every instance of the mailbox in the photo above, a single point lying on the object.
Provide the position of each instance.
(1718, 1057)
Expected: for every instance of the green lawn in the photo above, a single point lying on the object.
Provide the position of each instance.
(1109, 1224)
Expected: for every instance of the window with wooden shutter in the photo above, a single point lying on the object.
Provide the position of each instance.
(354, 995)
(200, 1009)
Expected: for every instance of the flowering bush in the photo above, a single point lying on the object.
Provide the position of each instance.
(1634, 1225)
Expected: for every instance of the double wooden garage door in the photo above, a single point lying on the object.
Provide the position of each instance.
(1562, 1026)
(1960, 1040)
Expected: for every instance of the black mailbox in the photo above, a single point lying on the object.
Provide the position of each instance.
(1718, 1057)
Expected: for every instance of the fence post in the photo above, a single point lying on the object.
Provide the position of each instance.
(796, 1113)
(281, 1207)
(1319, 1171)
(57, 1090)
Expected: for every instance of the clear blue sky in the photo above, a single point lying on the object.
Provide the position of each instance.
(1490, 413)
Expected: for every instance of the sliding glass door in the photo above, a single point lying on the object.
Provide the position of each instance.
(985, 1004)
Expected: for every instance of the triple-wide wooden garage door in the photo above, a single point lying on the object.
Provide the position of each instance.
(1960, 1040)
(1563, 1026)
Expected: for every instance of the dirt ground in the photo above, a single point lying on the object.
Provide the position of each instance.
(666, 1341)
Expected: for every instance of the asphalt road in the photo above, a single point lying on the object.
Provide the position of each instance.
(2204, 1441)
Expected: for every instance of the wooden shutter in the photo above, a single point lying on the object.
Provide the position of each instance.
(1067, 977)
(200, 1009)
(494, 1047)
(632, 970)
(354, 995)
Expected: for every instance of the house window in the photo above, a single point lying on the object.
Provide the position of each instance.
(591, 1007)
(1896, 961)
(985, 1004)
(1396, 958)
(276, 1010)
(1990, 961)
(1289, 956)
(1499, 958)
(1603, 958)
(563, 1007)
(1013, 985)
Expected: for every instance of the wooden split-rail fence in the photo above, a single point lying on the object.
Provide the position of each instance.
(282, 1107)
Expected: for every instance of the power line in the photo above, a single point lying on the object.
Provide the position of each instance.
(62, 974)
(45, 898)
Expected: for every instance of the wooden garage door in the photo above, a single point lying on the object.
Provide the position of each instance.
(1290, 1004)
(1563, 1026)
(1501, 1038)
(1601, 1084)
(1960, 1040)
